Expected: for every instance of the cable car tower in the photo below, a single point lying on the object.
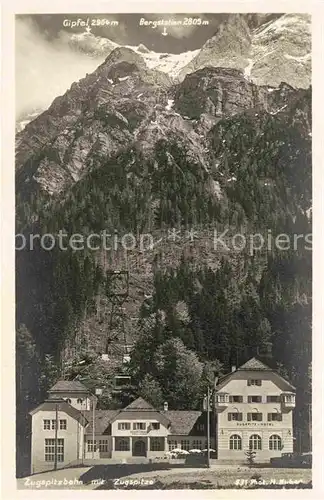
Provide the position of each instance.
(117, 293)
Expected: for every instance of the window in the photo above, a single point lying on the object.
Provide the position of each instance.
(92, 445)
(80, 401)
(53, 424)
(139, 426)
(124, 426)
(50, 450)
(47, 425)
(254, 381)
(274, 417)
(275, 442)
(254, 417)
(235, 442)
(235, 416)
(103, 445)
(254, 399)
(155, 426)
(273, 399)
(200, 427)
(60, 450)
(63, 425)
(289, 398)
(68, 401)
(222, 398)
(236, 399)
(122, 444)
(197, 445)
(185, 444)
(157, 444)
(172, 445)
(255, 442)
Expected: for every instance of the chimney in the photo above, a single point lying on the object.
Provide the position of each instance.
(165, 406)
(233, 368)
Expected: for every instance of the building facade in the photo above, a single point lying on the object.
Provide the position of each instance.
(254, 406)
(252, 410)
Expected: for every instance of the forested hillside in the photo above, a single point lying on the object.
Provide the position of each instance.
(194, 307)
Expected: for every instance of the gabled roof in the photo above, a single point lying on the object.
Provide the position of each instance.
(69, 386)
(139, 404)
(62, 406)
(254, 364)
(182, 421)
(102, 420)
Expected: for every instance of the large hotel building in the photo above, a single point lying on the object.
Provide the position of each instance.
(253, 407)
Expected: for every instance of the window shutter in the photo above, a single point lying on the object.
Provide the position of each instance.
(240, 415)
(249, 382)
(249, 416)
(229, 416)
(260, 417)
(258, 382)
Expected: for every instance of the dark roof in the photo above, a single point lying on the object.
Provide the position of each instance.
(69, 386)
(62, 405)
(102, 420)
(182, 421)
(139, 404)
(255, 364)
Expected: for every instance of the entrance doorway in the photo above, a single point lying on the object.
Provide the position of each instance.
(139, 448)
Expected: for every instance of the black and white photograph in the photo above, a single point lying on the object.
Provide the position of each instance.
(163, 245)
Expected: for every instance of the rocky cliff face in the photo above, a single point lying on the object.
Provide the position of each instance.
(268, 48)
(129, 149)
(229, 47)
(124, 102)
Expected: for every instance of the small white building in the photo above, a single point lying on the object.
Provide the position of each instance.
(139, 430)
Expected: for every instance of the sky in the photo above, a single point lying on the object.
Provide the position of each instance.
(129, 32)
(46, 65)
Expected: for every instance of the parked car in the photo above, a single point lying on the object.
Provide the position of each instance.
(298, 460)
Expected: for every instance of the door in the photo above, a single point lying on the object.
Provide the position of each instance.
(139, 448)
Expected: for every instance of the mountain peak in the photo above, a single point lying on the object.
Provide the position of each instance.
(124, 54)
(143, 48)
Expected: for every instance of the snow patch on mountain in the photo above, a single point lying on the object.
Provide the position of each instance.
(170, 104)
(165, 62)
(248, 68)
(299, 58)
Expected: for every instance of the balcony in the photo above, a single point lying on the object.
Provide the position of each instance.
(288, 401)
(222, 400)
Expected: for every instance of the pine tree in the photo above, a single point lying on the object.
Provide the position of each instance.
(150, 390)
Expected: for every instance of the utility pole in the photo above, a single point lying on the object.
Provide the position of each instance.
(93, 426)
(98, 392)
(55, 439)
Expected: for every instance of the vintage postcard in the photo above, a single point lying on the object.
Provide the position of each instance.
(163, 182)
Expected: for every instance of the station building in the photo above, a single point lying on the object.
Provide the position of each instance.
(252, 409)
